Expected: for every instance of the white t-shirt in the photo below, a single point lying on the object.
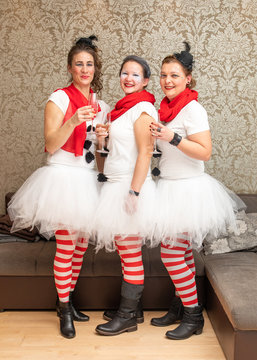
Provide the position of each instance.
(120, 162)
(61, 99)
(174, 164)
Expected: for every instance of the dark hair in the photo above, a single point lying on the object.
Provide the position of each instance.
(86, 44)
(140, 61)
(184, 58)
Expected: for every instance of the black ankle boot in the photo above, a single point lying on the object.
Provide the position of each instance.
(174, 314)
(125, 318)
(192, 323)
(66, 320)
(77, 315)
(109, 314)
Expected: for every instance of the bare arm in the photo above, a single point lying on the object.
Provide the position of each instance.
(197, 146)
(144, 143)
(57, 133)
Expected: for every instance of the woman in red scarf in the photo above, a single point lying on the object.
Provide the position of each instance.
(124, 218)
(190, 203)
(60, 198)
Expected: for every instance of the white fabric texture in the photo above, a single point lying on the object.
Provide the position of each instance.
(61, 195)
(189, 200)
(174, 164)
(111, 217)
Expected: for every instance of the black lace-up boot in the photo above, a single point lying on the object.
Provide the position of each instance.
(109, 314)
(125, 318)
(191, 323)
(174, 314)
(77, 315)
(66, 320)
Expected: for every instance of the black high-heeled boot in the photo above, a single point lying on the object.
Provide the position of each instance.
(77, 315)
(174, 314)
(109, 314)
(191, 323)
(125, 318)
(66, 320)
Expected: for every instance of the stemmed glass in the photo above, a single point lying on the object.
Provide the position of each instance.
(106, 125)
(155, 151)
(93, 101)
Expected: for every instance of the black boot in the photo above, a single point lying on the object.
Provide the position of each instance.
(125, 318)
(66, 320)
(174, 314)
(109, 314)
(77, 315)
(192, 323)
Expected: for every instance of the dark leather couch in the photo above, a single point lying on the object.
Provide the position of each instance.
(226, 285)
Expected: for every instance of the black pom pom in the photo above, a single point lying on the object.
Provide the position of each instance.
(87, 144)
(89, 157)
(89, 128)
(156, 172)
(101, 177)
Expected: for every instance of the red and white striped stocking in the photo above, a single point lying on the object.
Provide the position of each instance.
(182, 274)
(130, 251)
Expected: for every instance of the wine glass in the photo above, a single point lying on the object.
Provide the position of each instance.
(93, 101)
(106, 125)
(155, 151)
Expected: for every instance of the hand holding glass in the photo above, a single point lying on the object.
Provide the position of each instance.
(106, 126)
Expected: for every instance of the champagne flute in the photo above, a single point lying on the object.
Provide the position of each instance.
(106, 125)
(156, 152)
(93, 101)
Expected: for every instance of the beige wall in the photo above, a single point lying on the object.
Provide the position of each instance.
(36, 35)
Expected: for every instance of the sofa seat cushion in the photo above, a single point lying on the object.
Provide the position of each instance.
(233, 277)
(37, 259)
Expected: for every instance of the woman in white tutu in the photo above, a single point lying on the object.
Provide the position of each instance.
(124, 217)
(190, 203)
(60, 198)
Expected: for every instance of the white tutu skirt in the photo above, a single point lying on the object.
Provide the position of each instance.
(197, 206)
(111, 218)
(56, 197)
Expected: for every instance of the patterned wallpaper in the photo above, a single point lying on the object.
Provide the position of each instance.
(35, 36)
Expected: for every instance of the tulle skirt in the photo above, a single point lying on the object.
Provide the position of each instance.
(112, 219)
(56, 197)
(197, 206)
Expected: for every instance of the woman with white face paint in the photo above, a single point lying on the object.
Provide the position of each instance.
(124, 218)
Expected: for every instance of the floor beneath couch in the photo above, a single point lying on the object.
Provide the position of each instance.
(30, 335)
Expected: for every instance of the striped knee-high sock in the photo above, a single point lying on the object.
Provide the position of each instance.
(65, 245)
(130, 251)
(189, 258)
(121, 261)
(77, 260)
(181, 275)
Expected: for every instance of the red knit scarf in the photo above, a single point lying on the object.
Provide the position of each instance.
(129, 101)
(170, 109)
(76, 141)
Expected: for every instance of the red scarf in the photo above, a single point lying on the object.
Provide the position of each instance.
(129, 101)
(170, 109)
(76, 141)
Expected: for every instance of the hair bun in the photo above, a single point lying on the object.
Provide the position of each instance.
(88, 41)
(185, 57)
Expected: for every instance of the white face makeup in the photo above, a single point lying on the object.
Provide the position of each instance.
(137, 77)
(132, 78)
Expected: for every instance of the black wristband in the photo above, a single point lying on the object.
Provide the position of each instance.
(176, 139)
(132, 192)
